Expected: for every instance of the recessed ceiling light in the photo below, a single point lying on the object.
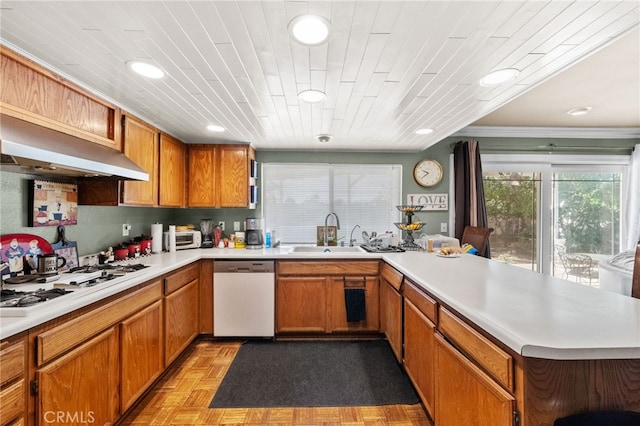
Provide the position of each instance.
(312, 96)
(579, 111)
(214, 128)
(145, 69)
(424, 131)
(323, 138)
(310, 30)
(499, 77)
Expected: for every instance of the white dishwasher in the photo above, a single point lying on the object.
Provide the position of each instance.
(243, 298)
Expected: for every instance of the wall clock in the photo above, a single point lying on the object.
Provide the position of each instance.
(428, 173)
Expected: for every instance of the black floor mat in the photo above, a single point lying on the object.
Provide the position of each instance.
(314, 374)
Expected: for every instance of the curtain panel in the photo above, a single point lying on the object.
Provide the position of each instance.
(632, 211)
(470, 206)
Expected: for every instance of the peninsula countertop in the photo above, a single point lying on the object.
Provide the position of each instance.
(533, 314)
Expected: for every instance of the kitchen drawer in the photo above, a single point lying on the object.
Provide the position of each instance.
(12, 357)
(496, 362)
(424, 303)
(392, 276)
(324, 268)
(181, 278)
(12, 402)
(58, 340)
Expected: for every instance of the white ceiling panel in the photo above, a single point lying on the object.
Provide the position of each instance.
(389, 67)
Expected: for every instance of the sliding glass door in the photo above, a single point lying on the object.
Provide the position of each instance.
(513, 203)
(555, 216)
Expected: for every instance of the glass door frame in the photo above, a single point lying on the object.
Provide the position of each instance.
(547, 165)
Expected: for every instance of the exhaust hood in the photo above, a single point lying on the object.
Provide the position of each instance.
(30, 148)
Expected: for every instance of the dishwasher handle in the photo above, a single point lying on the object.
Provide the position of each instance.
(243, 266)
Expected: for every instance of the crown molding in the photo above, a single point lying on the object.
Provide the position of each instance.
(551, 132)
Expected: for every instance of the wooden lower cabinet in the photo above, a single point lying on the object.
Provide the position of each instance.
(310, 296)
(82, 386)
(465, 394)
(13, 388)
(420, 356)
(181, 308)
(338, 309)
(140, 353)
(391, 308)
(301, 305)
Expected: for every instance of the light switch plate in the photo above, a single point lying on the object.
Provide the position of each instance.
(236, 226)
(221, 224)
(443, 227)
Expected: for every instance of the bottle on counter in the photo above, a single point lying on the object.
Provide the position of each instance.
(267, 239)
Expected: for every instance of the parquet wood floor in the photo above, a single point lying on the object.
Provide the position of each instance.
(183, 394)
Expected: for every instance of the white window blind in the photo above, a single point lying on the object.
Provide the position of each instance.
(298, 197)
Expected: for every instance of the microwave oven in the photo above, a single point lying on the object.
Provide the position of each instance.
(184, 240)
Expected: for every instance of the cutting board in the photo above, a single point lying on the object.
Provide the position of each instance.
(14, 248)
(67, 249)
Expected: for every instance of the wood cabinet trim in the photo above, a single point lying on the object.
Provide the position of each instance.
(181, 278)
(60, 339)
(391, 275)
(12, 401)
(12, 361)
(490, 357)
(427, 305)
(326, 268)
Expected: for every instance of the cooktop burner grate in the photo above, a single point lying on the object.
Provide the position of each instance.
(13, 298)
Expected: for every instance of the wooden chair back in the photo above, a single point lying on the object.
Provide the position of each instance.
(635, 283)
(477, 237)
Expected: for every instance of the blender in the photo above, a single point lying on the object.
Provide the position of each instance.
(206, 228)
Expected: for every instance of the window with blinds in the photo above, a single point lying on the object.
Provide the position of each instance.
(298, 197)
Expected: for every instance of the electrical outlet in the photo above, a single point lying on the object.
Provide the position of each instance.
(125, 229)
(236, 226)
(443, 227)
(221, 224)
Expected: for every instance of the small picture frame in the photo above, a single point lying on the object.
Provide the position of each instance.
(332, 235)
(52, 203)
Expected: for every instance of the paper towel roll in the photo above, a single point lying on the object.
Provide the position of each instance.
(172, 238)
(156, 238)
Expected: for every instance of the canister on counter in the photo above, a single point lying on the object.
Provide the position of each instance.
(239, 240)
(430, 245)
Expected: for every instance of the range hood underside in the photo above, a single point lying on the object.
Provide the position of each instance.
(29, 148)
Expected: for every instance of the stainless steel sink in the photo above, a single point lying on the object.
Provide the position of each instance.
(326, 250)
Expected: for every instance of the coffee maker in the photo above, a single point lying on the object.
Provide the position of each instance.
(253, 234)
(206, 229)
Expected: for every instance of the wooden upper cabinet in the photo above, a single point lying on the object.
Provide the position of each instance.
(30, 92)
(233, 180)
(173, 176)
(140, 144)
(219, 175)
(202, 168)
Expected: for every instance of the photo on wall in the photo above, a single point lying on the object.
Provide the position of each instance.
(52, 203)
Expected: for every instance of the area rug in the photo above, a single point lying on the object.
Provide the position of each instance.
(314, 374)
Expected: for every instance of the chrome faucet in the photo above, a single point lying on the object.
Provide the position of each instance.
(351, 240)
(326, 219)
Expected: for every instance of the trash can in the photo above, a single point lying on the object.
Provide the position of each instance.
(616, 273)
(601, 418)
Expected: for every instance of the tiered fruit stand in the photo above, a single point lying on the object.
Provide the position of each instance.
(409, 226)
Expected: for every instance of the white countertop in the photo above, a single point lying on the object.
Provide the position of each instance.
(533, 314)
